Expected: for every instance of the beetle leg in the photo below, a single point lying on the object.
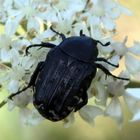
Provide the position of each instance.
(35, 74)
(104, 60)
(42, 45)
(107, 72)
(31, 83)
(32, 80)
(60, 34)
(11, 96)
(107, 44)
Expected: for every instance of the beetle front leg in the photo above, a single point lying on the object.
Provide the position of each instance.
(42, 45)
(31, 83)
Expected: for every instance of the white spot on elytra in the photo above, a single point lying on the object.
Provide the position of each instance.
(76, 97)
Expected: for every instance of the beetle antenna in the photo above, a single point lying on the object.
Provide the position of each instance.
(107, 44)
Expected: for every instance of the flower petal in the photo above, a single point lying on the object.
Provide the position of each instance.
(102, 95)
(125, 10)
(68, 121)
(108, 23)
(89, 113)
(119, 48)
(30, 117)
(5, 55)
(132, 100)
(33, 23)
(15, 57)
(134, 92)
(115, 12)
(132, 64)
(116, 88)
(135, 49)
(94, 20)
(136, 117)
(11, 26)
(114, 60)
(114, 110)
(23, 99)
(11, 105)
(13, 86)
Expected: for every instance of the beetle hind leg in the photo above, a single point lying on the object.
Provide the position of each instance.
(104, 60)
(11, 96)
(107, 72)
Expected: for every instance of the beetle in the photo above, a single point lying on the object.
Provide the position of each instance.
(60, 82)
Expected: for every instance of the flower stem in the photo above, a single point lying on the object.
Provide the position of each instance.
(133, 84)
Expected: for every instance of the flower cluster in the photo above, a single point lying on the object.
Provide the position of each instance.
(27, 22)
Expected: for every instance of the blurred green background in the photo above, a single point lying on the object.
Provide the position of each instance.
(104, 129)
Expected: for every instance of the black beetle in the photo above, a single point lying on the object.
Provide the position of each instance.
(60, 83)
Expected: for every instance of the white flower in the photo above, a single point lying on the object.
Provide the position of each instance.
(89, 113)
(132, 99)
(101, 95)
(30, 117)
(120, 47)
(2, 15)
(131, 62)
(67, 10)
(135, 49)
(13, 86)
(105, 12)
(5, 5)
(5, 41)
(11, 26)
(69, 120)
(42, 36)
(29, 10)
(5, 55)
(21, 100)
(116, 88)
(65, 27)
(114, 109)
